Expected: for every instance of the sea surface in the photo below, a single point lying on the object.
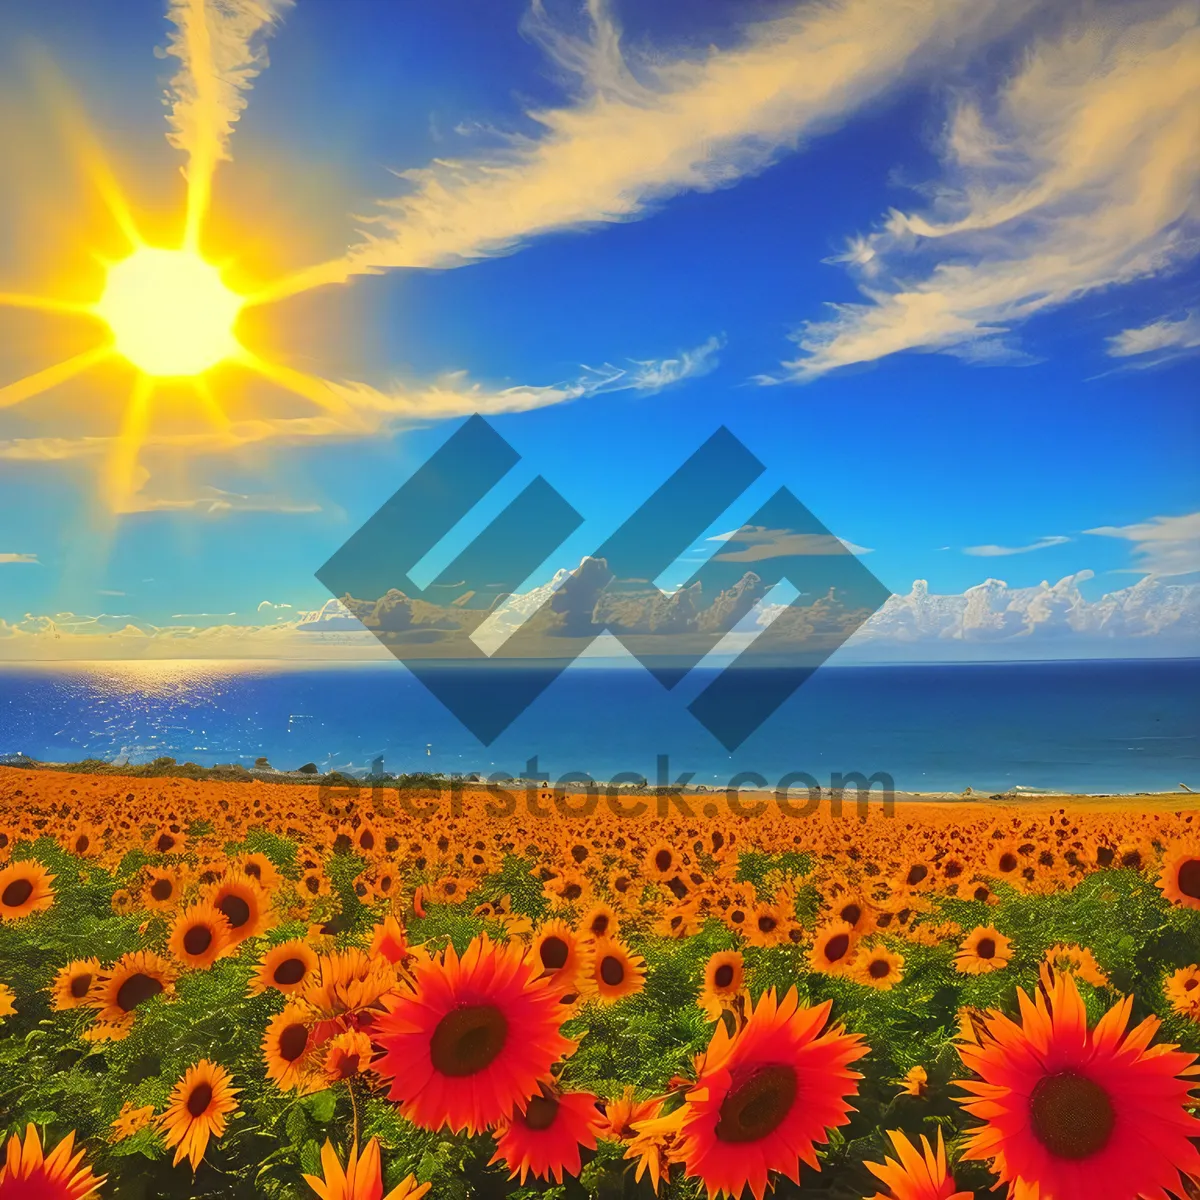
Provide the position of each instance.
(1084, 727)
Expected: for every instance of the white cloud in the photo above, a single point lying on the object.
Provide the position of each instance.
(993, 612)
(18, 558)
(1161, 338)
(988, 621)
(647, 126)
(220, 51)
(1080, 174)
(993, 551)
(356, 411)
(1162, 545)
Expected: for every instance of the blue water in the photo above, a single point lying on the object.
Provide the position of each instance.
(1076, 727)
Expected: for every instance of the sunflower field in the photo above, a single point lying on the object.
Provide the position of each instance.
(213, 988)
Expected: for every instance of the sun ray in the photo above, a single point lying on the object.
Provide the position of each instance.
(305, 280)
(319, 391)
(48, 304)
(121, 469)
(87, 149)
(212, 406)
(43, 381)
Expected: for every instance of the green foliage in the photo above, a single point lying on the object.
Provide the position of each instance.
(51, 1076)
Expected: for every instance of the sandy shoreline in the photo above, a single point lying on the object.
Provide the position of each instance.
(54, 777)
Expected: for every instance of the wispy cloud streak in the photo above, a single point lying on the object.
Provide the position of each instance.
(219, 47)
(643, 129)
(1082, 173)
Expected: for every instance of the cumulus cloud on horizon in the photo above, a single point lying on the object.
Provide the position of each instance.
(989, 620)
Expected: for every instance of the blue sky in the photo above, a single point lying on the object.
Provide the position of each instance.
(911, 283)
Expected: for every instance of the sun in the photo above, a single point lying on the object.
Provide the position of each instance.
(170, 312)
(164, 310)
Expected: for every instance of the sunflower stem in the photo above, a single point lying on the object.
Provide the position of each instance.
(353, 1110)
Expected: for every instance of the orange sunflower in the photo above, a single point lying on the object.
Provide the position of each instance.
(347, 981)
(388, 939)
(362, 1179)
(76, 984)
(345, 1055)
(545, 1139)
(25, 887)
(244, 904)
(623, 1115)
(133, 979)
(1179, 879)
(833, 948)
(288, 968)
(1073, 1111)
(288, 1045)
(130, 1120)
(162, 888)
(985, 949)
(919, 1175)
(556, 948)
(200, 935)
(1182, 989)
(613, 972)
(472, 1039)
(59, 1175)
(199, 1105)
(724, 978)
(765, 1096)
(878, 967)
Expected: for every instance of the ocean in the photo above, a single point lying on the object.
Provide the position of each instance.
(1084, 727)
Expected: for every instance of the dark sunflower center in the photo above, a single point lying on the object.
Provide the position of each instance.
(367, 840)
(253, 869)
(199, 1100)
(17, 893)
(986, 948)
(1189, 984)
(290, 971)
(757, 1103)
(236, 910)
(81, 985)
(553, 953)
(599, 925)
(1189, 878)
(136, 990)
(836, 947)
(663, 860)
(851, 914)
(82, 842)
(165, 843)
(612, 970)
(197, 939)
(982, 893)
(916, 873)
(293, 1041)
(468, 1040)
(1008, 862)
(541, 1112)
(880, 968)
(1071, 1116)
(723, 976)
(572, 891)
(161, 889)
(766, 924)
